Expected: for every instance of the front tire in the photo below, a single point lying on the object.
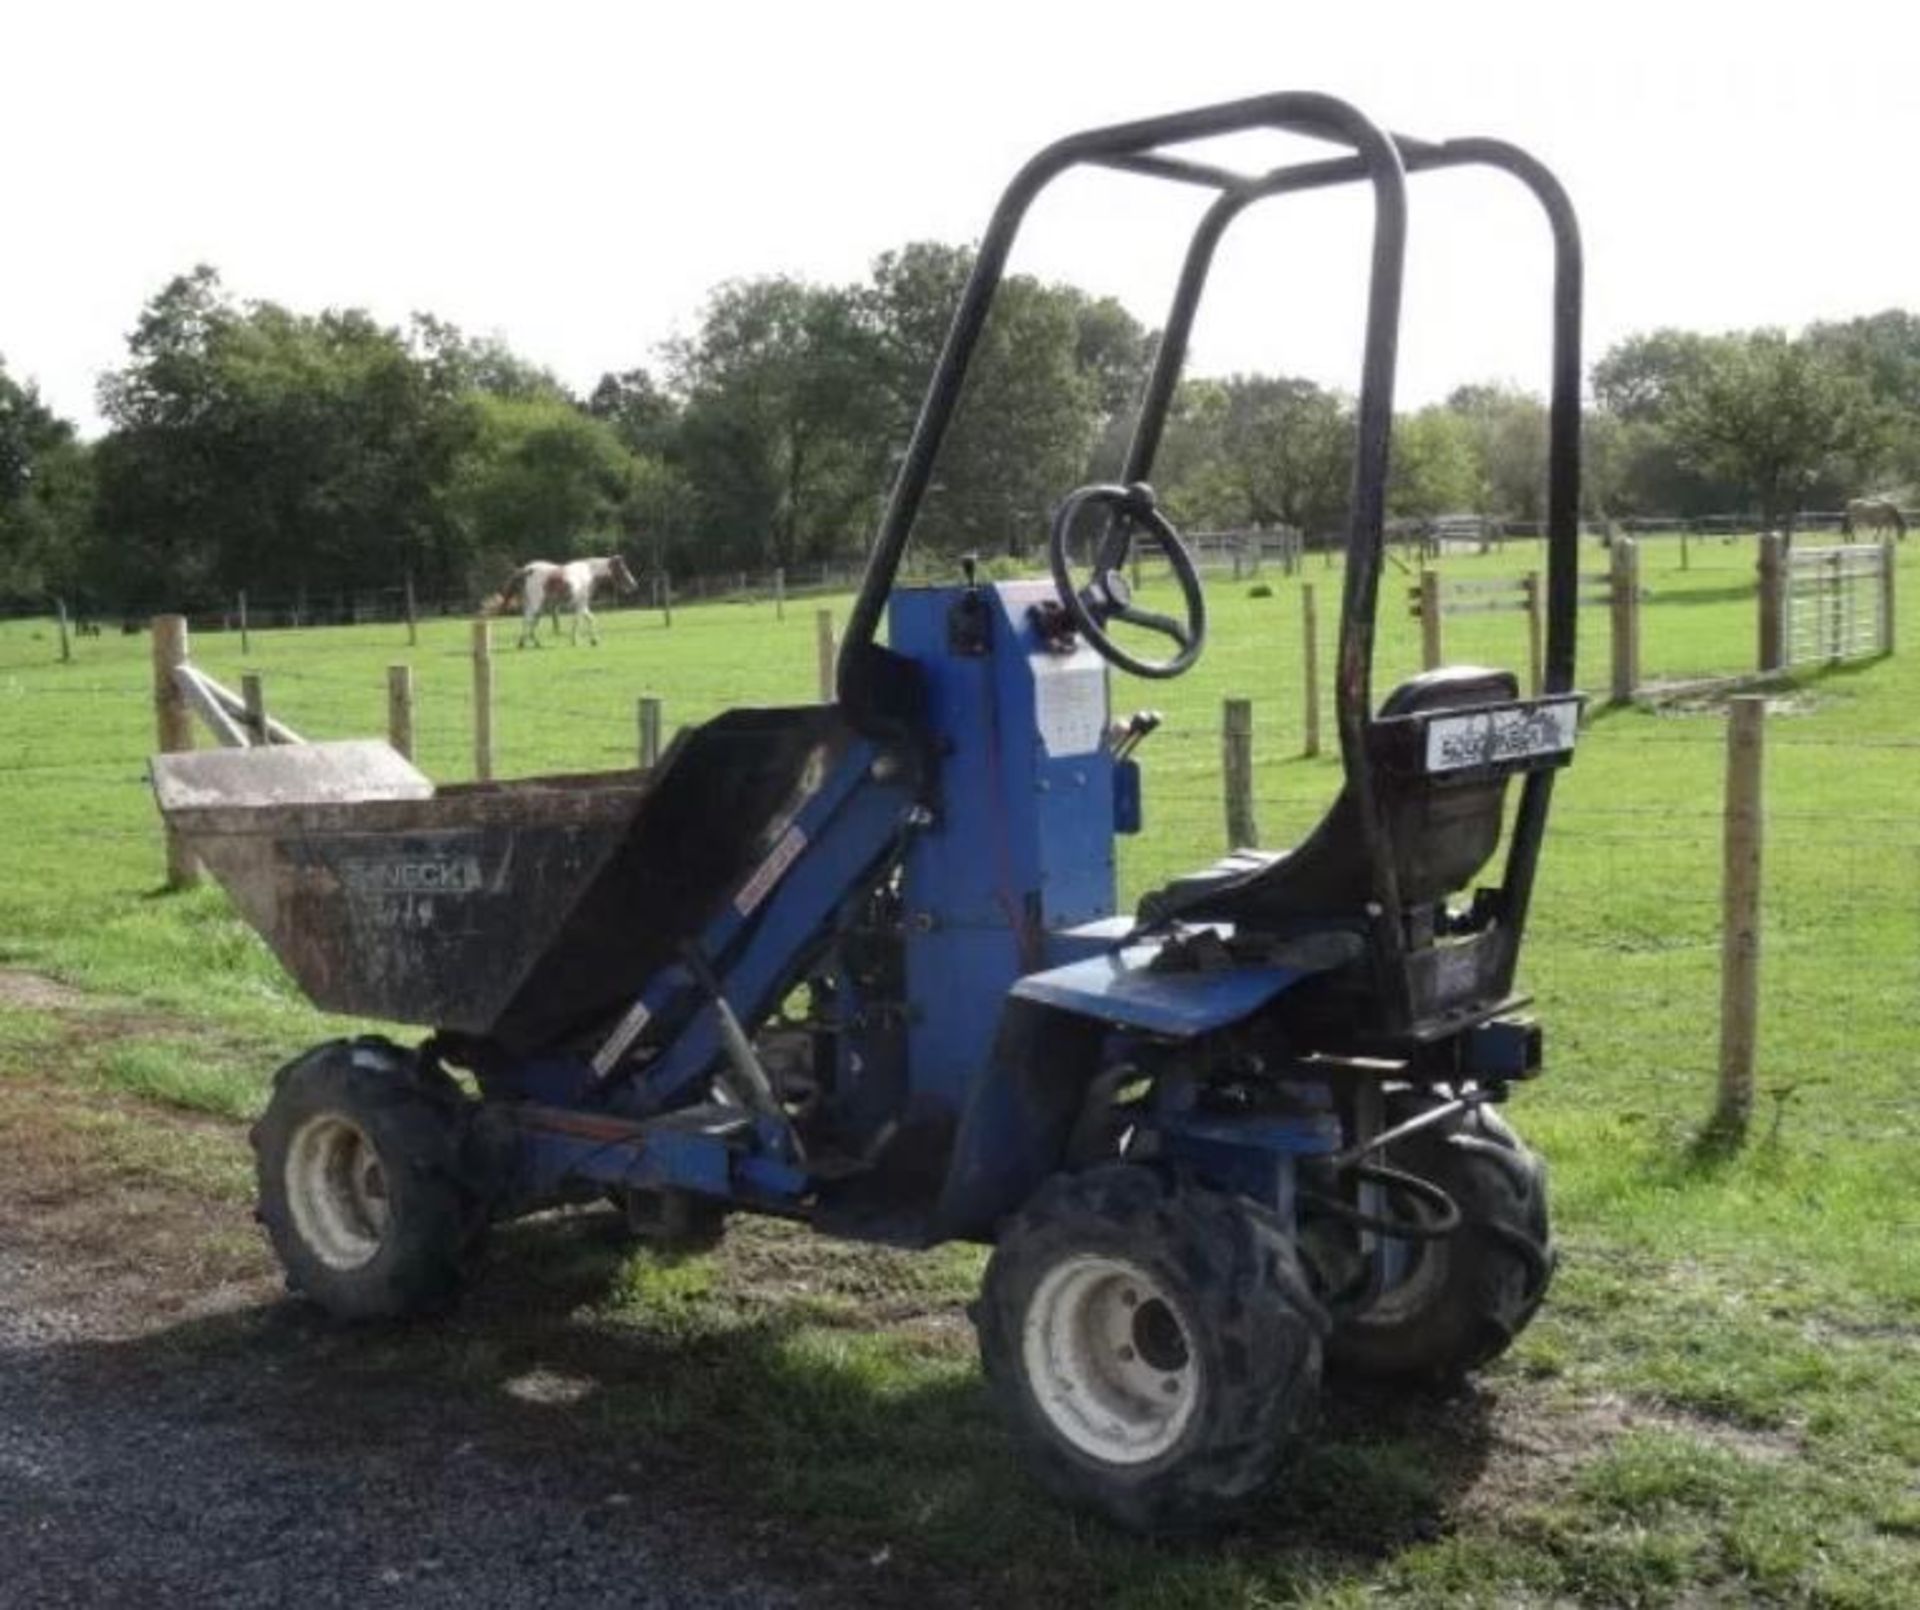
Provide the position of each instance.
(362, 1188)
(1469, 1294)
(1153, 1345)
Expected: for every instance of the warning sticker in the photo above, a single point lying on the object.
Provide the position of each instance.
(782, 856)
(1070, 703)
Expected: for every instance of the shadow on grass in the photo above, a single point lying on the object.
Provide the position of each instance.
(1715, 1147)
(1662, 597)
(1600, 710)
(862, 1446)
(1729, 1137)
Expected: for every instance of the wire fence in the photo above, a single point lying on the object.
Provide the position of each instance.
(1625, 949)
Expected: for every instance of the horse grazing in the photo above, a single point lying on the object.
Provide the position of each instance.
(1876, 515)
(541, 588)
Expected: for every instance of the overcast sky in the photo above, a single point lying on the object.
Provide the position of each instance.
(575, 177)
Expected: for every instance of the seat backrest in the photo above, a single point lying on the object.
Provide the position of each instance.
(1443, 832)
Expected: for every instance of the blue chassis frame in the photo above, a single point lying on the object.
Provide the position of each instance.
(993, 934)
(1021, 981)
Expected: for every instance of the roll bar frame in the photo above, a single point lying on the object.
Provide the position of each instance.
(1382, 161)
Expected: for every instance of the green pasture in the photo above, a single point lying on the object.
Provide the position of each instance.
(1728, 1372)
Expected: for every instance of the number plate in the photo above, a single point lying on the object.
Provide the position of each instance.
(1488, 737)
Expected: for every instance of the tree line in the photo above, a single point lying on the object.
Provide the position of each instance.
(252, 446)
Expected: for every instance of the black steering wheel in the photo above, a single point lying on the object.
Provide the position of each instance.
(1108, 597)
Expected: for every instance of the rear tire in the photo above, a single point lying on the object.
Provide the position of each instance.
(1153, 1346)
(362, 1187)
(1469, 1294)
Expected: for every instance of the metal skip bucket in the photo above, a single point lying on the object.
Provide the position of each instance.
(386, 897)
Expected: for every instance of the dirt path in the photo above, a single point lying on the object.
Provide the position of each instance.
(173, 1432)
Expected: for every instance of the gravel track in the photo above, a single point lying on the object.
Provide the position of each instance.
(165, 1446)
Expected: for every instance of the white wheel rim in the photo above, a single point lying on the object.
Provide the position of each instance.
(1110, 1359)
(337, 1191)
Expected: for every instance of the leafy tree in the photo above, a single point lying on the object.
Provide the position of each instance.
(1776, 414)
(1260, 450)
(781, 433)
(1636, 383)
(257, 447)
(662, 518)
(45, 493)
(540, 480)
(1508, 429)
(1637, 378)
(1604, 454)
(460, 363)
(1883, 351)
(1111, 346)
(634, 404)
(27, 429)
(1053, 369)
(1432, 469)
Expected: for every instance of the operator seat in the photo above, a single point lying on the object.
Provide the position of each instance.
(1442, 834)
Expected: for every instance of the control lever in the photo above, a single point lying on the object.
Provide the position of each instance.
(1128, 737)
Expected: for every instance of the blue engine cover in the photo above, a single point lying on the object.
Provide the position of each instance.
(1021, 848)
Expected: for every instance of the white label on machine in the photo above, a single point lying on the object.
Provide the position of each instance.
(783, 855)
(1486, 737)
(430, 875)
(624, 1034)
(1070, 702)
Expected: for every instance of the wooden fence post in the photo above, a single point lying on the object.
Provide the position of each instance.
(1430, 647)
(649, 733)
(1236, 771)
(1625, 608)
(1685, 564)
(666, 597)
(1839, 606)
(1888, 566)
(66, 643)
(400, 708)
(825, 651)
(245, 646)
(1773, 602)
(483, 700)
(253, 694)
(1740, 916)
(1310, 642)
(779, 592)
(413, 615)
(173, 724)
(1530, 594)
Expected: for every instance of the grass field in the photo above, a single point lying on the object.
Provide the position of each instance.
(1721, 1401)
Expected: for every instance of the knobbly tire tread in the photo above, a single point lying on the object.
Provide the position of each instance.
(1499, 1262)
(439, 1216)
(1257, 1326)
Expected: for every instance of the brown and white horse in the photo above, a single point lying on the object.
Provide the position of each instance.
(542, 588)
(1876, 515)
